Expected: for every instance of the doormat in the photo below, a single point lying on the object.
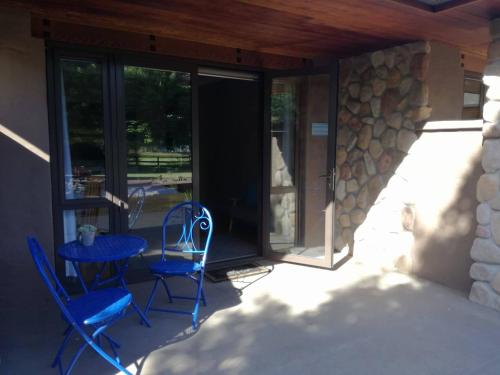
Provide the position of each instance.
(236, 272)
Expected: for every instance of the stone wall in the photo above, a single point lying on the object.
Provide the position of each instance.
(486, 247)
(383, 101)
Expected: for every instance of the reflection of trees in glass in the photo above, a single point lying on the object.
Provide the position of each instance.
(83, 95)
(158, 107)
(283, 109)
(138, 135)
(158, 116)
(284, 115)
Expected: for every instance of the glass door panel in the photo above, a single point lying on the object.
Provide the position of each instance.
(301, 197)
(158, 138)
(82, 121)
(81, 132)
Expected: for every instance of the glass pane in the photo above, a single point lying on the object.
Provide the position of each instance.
(284, 117)
(283, 210)
(284, 121)
(472, 85)
(83, 129)
(471, 100)
(300, 201)
(159, 172)
(73, 220)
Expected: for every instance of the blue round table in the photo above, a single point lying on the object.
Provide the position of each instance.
(114, 249)
(106, 248)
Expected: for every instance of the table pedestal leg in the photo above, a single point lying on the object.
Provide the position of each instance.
(76, 266)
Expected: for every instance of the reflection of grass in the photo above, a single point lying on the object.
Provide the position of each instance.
(165, 155)
(139, 175)
(162, 203)
(155, 162)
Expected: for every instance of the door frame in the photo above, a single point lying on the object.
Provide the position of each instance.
(54, 56)
(332, 71)
(260, 154)
(113, 109)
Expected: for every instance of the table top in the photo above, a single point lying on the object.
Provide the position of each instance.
(106, 248)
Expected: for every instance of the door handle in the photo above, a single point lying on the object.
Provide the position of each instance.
(330, 176)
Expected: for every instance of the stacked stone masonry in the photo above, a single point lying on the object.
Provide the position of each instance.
(486, 247)
(383, 101)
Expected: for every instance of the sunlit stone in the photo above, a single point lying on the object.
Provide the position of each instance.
(483, 271)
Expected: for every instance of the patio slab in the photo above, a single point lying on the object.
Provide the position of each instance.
(296, 320)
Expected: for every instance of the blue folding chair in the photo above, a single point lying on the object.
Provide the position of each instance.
(93, 312)
(187, 229)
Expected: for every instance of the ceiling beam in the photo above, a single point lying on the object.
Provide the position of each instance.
(42, 27)
(435, 8)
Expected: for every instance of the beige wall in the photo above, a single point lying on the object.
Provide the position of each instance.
(445, 202)
(25, 188)
(445, 184)
(446, 82)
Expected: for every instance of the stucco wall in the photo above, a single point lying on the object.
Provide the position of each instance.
(449, 165)
(25, 187)
(446, 82)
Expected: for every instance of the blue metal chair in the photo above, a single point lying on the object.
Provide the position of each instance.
(187, 229)
(93, 312)
(136, 203)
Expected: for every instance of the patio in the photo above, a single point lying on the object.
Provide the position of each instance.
(296, 320)
(368, 129)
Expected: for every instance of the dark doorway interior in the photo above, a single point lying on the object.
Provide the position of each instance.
(229, 118)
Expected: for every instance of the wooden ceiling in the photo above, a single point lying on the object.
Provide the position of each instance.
(299, 28)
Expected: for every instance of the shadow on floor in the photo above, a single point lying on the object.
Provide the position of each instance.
(300, 320)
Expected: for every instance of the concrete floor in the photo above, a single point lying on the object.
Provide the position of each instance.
(296, 320)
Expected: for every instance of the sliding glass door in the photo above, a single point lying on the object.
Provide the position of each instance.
(122, 134)
(158, 148)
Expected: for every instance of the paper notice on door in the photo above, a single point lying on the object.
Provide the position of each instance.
(319, 129)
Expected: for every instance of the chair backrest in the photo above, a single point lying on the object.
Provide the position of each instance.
(187, 228)
(135, 203)
(47, 273)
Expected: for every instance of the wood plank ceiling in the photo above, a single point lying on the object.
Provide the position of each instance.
(313, 29)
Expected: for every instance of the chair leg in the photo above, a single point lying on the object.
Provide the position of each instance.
(165, 285)
(113, 361)
(200, 281)
(151, 296)
(203, 299)
(112, 346)
(75, 358)
(57, 358)
(111, 340)
(70, 327)
(194, 318)
(199, 294)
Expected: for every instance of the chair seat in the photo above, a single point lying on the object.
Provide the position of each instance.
(175, 267)
(99, 306)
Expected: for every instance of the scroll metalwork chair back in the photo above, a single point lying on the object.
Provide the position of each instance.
(88, 316)
(136, 203)
(187, 231)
